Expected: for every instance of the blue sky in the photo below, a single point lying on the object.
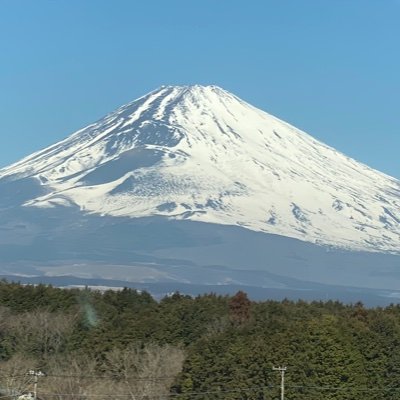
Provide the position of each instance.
(330, 68)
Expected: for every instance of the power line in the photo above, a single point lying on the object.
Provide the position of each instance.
(166, 395)
(219, 391)
(338, 388)
(145, 378)
(239, 390)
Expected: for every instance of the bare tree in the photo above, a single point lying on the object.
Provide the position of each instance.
(144, 372)
(73, 375)
(14, 378)
(217, 326)
(40, 332)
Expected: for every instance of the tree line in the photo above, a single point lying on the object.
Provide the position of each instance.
(125, 344)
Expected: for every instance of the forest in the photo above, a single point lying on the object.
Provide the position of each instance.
(82, 344)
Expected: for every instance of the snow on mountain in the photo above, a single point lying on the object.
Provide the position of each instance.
(201, 153)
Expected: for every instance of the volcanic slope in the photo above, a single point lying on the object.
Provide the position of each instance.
(200, 153)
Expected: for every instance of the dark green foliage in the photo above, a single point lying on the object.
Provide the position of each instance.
(332, 351)
(22, 298)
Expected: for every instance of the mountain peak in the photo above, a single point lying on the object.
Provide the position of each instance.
(193, 88)
(200, 153)
(196, 94)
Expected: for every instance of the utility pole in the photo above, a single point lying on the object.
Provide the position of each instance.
(282, 371)
(36, 375)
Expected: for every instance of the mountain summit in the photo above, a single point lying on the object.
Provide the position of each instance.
(200, 153)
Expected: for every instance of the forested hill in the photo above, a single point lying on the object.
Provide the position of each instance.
(125, 345)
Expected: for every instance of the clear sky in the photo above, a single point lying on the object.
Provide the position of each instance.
(329, 67)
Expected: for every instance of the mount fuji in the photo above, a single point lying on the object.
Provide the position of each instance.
(193, 186)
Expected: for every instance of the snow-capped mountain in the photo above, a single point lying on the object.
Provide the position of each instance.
(200, 153)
